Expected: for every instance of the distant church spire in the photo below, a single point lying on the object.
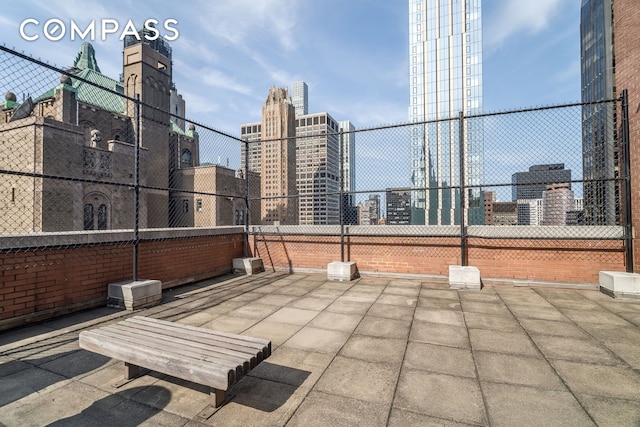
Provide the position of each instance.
(86, 58)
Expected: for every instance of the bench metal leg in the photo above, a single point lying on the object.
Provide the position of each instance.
(218, 399)
(131, 372)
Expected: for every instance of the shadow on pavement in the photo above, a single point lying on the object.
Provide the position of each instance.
(115, 410)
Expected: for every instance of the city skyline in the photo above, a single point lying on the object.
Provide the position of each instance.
(228, 55)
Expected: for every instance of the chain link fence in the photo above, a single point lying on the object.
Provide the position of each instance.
(87, 160)
(539, 174)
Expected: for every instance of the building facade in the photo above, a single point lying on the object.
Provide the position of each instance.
(398, 207)
(505, 213)
(316, 139)
(557, 200)
(300, 98)
(369, 211)
(599, 149)
(531, 184)
(279, 204)
(530, 212)
(318, 169)
(445, 79)
(80, 131)
(349, 211)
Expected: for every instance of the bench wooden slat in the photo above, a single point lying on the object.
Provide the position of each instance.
(197, 371)
(252, 342)
(180, 348)
(201, 342)
(191, 342)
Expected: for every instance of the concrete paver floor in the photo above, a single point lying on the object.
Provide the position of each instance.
(372, 352)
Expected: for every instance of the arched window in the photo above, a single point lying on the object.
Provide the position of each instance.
(102, 217)
(96, 212)
(88, 217)
(185, 157)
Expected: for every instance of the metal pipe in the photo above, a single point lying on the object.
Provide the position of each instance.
(463, 231)
(246, 199)
(136, 188)
(627, 180)
(341, 201)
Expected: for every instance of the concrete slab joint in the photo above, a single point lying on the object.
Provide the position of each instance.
(133, 295)
(464, 277)
(619, 284)
(342, 271)
(248, 266)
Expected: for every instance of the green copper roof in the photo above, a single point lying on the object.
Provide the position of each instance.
(91, 94)
(48, 94)
(86, 58)
(8, 104)
(175, 128)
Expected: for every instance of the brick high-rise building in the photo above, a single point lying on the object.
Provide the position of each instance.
(557, 200)
(278, 152)
(316, 141)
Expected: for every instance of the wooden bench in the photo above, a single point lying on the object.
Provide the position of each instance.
(200, 355)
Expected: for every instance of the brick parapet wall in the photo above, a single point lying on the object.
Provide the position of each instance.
(40, 284)
(550, 260)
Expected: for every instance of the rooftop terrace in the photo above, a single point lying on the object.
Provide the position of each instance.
(372, 352)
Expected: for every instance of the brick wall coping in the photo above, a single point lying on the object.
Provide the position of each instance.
(72, 238)
(481, 231)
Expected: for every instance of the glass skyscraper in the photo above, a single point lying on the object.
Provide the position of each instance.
(599, 156)
(300, 98)
(445, 78)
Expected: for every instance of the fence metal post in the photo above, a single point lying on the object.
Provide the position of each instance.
(341, 201)
(136, 188)
(246, 199)
(627, 180)
(463, 190)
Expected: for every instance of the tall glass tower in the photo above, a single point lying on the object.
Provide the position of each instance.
(300, 98)
(599, 156)
(445, 78)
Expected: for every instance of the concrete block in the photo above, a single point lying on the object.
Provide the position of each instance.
(248, 265)
(464, 277)
(133, 295)
(618, 284)
(342, 271)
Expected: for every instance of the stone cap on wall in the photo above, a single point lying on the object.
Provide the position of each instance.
(480, 231)
(81, 238)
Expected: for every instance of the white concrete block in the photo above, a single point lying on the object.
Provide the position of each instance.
(342, 271)
(248, 265)
(464, 277)
(134, 294)
(619, 284)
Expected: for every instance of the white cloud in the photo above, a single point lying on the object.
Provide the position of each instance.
(216, 78)
(238, 21)
(517, 16)
(198, 105)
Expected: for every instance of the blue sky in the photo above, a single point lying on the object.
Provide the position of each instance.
(352, 54)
